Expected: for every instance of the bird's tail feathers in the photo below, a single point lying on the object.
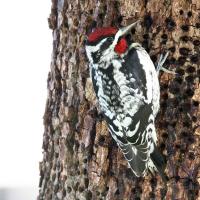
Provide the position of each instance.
(157, 162)
(137, 159)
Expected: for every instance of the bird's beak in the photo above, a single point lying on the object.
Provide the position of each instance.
(127, 29)
(124, 31)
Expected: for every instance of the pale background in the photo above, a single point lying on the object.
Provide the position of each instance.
(25, 54)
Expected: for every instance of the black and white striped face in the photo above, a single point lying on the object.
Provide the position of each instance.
(104, 44)
(103, 48)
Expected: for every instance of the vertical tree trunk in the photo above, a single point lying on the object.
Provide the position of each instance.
(81, 160)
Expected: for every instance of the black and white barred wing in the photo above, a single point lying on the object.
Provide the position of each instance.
(138, 143)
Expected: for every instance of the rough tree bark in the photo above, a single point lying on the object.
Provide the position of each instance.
(81, 161)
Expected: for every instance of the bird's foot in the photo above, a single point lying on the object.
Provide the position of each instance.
(160, 64)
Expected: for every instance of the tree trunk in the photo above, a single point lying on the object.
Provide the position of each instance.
(81, 160)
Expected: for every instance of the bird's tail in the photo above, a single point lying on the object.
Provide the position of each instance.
(137, 159)
(157, 162)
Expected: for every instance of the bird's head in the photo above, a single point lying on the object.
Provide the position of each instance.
(104, 43)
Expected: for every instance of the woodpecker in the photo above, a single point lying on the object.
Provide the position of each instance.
(126, 84)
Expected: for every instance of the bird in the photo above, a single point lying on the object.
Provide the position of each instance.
(127, 88)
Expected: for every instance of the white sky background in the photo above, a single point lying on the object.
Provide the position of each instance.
(25, 55)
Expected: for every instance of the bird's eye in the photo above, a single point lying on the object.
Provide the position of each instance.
(110, 39)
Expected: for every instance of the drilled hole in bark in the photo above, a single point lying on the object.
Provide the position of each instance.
(181, 60)
(56, 154)
(69, 189)
(165, 96)
(56, 188)
(177, 146)
(64, 193)
(194, 58)
(89, 195)
(164, 37)
(165, 135)
(101, 16)
(185, 107)
(172, 49)
(197, 25)
(190, 69)
(189, 92)
(133, 31)
(164, 86)
(92, 26)
(181, 12)
(163, 104)
(154, 58)
(105, 8)
(153, 182)
(162, 146)
(195, 103)
(196, 43)
(183, 148)
(138, 189)
(172, 60)
(76, 186)
(186, 124)
(189, 79)
(91, 12)
(194, 119)
(191, 156)
(174, 88)
(164, 124)
(101, 140)
(175, 102)
(145, 44)
(177, 178)
(148, 21)
(86, 180)
(189, 14)
(128, 37)
(178, 79)
(191, 139)
(85, 171)
(81, 189)
(119, 19)
(186, 182)
(163, 192)
(173, 123)
(185, 28)
(116, 5)
(198, 72)
(152, 195)
(184, 51)
(137, 198)
(146, 36)
(185, 38)
(170, 24)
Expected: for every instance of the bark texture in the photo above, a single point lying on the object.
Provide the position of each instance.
(81, 160)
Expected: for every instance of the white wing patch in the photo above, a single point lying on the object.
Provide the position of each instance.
(148, 67)
(153, 88)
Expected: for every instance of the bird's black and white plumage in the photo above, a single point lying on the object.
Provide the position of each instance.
(127, 87)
